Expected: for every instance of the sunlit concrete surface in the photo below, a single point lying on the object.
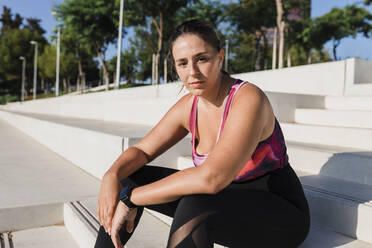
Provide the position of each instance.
(56, 236)
(33, 178)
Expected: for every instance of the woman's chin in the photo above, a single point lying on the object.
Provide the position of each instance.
(197, 92)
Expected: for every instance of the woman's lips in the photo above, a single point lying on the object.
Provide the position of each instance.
(197, 83)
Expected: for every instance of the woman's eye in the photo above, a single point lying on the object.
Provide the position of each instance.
(203, 59)
(182, 64)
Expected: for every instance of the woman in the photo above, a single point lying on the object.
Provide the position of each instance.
(242, 191)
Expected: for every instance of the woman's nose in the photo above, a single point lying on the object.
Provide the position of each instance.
(193, 69)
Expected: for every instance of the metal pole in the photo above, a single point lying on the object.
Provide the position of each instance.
(35, 69)
(23, 77)
(153, 69)
(57, 64)
(165, 71)
(227, 55)
(117, 83)
(273, 66)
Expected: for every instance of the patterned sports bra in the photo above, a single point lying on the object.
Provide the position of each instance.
(270, 154)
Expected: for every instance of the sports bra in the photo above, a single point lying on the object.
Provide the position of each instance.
(270, 154)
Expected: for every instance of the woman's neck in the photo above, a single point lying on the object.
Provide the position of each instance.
(217, 98)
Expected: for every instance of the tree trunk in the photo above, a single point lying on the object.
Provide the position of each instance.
(68, 85)
(81, 77)
(165, 71)
(281, 25)
(273, 66)
(103, 64)
(335, 45)
(42, 84)
(78, 83)
(265, 52)
(159, 27)
(153, 69)
(256, 57)
(289, 62)
(289, 45)
(308, 57)
(64, 84)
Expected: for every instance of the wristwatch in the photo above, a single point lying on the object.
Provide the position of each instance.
(125, 194)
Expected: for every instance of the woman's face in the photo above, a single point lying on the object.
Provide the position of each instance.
(197, 63)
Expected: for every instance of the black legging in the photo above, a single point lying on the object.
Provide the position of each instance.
(270, 211)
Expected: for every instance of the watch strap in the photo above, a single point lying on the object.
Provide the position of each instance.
(125, 194)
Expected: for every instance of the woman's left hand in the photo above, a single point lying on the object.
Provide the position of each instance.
(122, 213)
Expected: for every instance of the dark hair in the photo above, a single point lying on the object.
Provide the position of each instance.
(200, 28)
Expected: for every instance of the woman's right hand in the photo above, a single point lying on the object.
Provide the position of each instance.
(108, 200)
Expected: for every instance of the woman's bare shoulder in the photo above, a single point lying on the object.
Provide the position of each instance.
(251, 96)
(182, 109)
(250, 92)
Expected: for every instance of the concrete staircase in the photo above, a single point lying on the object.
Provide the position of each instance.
(329, 149)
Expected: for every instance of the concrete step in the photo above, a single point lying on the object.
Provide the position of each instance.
(329, 198)
(338, 118)
(95, 145)
(342, 163)
(55, 236)
(153, 231)
(357, 138)
(322, 238)
(318, 198)
(34, 182)
(348, 102)
(81, 220)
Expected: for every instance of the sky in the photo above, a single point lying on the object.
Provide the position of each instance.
(349, 47)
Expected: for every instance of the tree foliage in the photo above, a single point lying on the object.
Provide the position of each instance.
(88, 27)
(15, 42)
(341, 23)
(94, 20)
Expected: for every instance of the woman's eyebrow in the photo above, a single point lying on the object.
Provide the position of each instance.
(194, 56)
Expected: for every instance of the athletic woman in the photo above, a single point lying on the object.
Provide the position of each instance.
(242, 192)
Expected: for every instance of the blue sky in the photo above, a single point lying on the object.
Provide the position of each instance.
(349, 47)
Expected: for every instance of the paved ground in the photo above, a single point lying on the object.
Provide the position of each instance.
(31, 174)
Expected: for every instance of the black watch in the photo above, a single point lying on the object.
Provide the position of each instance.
(125, 194)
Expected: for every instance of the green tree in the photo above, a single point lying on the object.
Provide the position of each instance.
(8, 22)
(13, 45)
(252, 18)
(128, 65)
(94, 20)
(15, 42)
(342, 23)
(159, 12)
(146, 39)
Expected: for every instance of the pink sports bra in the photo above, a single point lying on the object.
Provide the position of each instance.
(270, 154)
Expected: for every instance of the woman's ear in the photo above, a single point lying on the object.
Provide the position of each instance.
(221, 56)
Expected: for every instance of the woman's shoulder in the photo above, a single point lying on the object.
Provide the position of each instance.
(249, 92)
(182, 109)
(249, 98)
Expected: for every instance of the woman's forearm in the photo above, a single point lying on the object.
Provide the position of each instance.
(184, 182)
(128, 162)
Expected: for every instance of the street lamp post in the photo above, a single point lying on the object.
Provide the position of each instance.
(227, 55)
(23, 77)
(117, 83)
(35, 69)
(58, 53)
